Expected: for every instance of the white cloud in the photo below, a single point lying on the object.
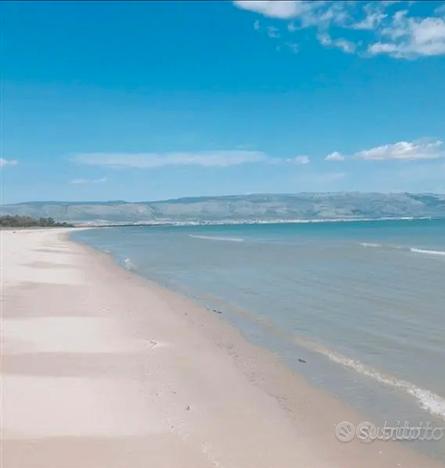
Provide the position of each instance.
(411, 37)
(219, 159)
(324, 39)
(334, 156)
(324, 14)
(374, 15)
(370, 22)
(275, 8)
(384, 48)
(154, 160)
(101, 180)
(404, 151)
(346, 46)
(8, 162)
(310, 13)
(390, 29)
(342, 44)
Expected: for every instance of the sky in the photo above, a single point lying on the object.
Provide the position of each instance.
(155, 100)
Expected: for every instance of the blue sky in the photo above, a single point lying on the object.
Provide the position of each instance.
(145, 101)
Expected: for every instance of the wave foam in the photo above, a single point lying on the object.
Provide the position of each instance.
(426, 399)
(129, 265)
(410, 249)
(428, 252)
(218, 238)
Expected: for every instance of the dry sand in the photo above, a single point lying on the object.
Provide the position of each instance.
(103, 369)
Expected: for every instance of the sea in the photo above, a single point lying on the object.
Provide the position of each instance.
(356, 307)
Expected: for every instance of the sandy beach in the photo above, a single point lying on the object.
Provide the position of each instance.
(102, 368)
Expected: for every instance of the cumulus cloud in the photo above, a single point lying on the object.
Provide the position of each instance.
(308, 13)
(155, 160)
(422, 149)
(275, 8)
(8, 162)
(390, 30)
(411, 37)
(404, 151)
(101, 180)
(334, 156)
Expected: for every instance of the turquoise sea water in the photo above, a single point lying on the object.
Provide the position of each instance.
(362, 303)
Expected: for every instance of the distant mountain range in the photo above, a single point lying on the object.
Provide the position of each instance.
(239, 208)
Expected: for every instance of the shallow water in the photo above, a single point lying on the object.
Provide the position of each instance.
(363, 303)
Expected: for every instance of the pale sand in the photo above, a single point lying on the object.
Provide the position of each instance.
(103, 369)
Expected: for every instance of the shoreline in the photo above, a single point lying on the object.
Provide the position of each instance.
(198, 393)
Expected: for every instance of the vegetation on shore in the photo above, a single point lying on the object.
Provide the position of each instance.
(28, 221)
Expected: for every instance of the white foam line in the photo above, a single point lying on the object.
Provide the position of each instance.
(218, 238)
(426, 399)
(428, 252)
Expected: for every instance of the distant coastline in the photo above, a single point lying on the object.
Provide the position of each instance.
(253, 222)
(240, 209)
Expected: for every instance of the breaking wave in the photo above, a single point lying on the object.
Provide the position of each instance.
(427, 252)
(426, 399)
(403, 248)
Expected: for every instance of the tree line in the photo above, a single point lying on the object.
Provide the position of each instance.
(28, 221)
